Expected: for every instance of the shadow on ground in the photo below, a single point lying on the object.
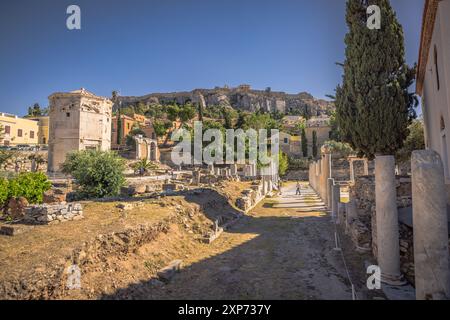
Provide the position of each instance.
(284, 251)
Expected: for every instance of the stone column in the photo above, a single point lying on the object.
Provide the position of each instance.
(325, 174)
(314, 175)
(430, 226)
(336, 200)
(330, 183)
(233, 169)
(366, 167)
(387, 220)
(352, 172)
(351, 214)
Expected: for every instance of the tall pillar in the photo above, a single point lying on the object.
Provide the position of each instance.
(366, 167)
(430, 226)
(387, 221)
(325, 174)
(335, 201)
(234, 169)
(330, 183)
(352, 171)
(351, 214)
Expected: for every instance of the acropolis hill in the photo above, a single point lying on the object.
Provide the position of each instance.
(242, 97)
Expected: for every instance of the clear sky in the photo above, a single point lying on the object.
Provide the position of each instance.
(144, 46)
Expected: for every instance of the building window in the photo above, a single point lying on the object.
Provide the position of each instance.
(19, 132)
(67, 114)
(286, 140)
(128, 126)
(44, 141)
(7, 129)
(436, 67)
(31, 134)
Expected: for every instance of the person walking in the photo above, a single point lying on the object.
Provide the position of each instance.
(298, 192)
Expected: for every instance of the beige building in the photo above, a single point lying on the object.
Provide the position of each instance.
(18, 131)
(291, 145)
(79, 120)
(433, 78)
(43, 123)
(321, 128)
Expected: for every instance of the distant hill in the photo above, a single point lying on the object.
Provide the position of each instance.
(240, 98)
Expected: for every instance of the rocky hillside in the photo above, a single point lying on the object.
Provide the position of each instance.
(241, 98)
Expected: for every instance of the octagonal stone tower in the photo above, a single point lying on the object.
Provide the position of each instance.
(79, 120)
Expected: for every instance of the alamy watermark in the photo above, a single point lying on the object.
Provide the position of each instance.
(374, 280)
(73, 22)
(374, 17)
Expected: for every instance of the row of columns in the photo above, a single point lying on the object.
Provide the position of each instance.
(430, 224)
(319, 173)
(430, 220)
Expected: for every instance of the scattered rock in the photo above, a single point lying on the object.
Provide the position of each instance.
(168, 272)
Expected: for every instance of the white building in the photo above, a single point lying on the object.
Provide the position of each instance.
(433, 78)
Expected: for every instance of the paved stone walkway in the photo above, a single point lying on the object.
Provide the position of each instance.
(282, 250)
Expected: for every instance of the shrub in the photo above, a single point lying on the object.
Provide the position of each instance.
(298, 164)
(98, 173)
(341, 148)
(30, 185)
(283, 164)
(3, 191)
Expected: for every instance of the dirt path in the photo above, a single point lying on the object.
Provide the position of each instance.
(282, 250)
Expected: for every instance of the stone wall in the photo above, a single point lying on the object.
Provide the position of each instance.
(363, 229)
(300, 175)
(53, 213)
(251, 197)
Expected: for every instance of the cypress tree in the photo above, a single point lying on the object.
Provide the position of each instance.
(314, 144)
(373, 105)
(119, 128)
(200, 112)
(304, 143)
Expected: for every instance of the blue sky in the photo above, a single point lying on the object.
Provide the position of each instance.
(144, 46)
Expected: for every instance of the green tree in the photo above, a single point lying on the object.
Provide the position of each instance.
(414, 141)
(334, 132)
(228, 121)
(97, 173)
(314, 144)
(342, 148)
(373, 104)
(161, 127)
(200, 112)
(114, 96)
(242, 119)
(119, 128)
(173, 112)
(304, 143)
(186, 113)
(35, 111)
(283, 164)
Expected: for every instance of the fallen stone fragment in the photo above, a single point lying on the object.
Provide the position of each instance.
(168, 272)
